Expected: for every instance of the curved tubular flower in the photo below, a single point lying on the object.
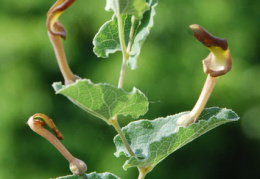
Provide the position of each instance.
(219, 60)
(217, 63)
(37, 123)
(55, 31)
(53, 25)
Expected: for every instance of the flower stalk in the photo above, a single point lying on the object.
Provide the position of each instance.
(57, 31)
(218, 63)
(37, 123)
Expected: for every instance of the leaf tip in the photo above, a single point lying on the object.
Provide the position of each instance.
(57, 86)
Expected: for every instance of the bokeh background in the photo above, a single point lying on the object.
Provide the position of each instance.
(169, 73)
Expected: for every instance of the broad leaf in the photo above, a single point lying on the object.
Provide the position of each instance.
(129, 7)
(93, 175)
(107, 41)
(154, 140)
(103, 100)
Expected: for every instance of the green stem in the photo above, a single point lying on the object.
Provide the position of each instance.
(143, 171)
(126, 54)
(117, 127)
(131, 35)
(123, 47)
(125, 50)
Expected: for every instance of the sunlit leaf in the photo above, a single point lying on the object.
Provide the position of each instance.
(107, 40)
(154, 140)
(104, 100)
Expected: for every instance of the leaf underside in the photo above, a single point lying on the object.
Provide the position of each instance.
(93, 175)
(154, 140)
(103, 100)
(107, 40)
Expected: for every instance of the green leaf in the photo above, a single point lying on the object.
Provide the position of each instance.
(107, 40)
(93, 175)
(142, 30)
(103, 100)
(154, 140)
(129, 7)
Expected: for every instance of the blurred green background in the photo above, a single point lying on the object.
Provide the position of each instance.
(169, 73)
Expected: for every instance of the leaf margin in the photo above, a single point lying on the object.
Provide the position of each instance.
(142, 158)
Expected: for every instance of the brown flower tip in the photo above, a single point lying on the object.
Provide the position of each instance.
(53, 25)
(219, 61)
(43, 120)
(206, 38)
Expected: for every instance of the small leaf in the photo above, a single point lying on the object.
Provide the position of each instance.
(107, 41)
(152, 141)
(129, 7)
(93, 175)
(141, 32)
(103, 100)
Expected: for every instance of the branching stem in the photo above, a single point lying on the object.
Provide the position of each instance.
(124, 52)
(131, 35)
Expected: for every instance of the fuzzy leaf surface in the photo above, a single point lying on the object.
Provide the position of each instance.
(104, 100)
(107, 40)
(154, 140)
(93, 175)
(129, 7)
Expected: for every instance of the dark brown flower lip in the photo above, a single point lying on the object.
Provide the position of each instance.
(208, 39)
(56, 27)
(219, 60)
